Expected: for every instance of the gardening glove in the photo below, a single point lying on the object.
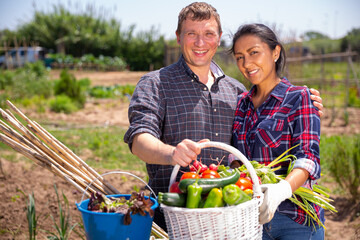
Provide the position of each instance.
(274, 194)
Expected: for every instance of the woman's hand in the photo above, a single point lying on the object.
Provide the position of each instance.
(274, 194)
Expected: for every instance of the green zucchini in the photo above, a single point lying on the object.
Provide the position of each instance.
(209, 183)
(172, 199)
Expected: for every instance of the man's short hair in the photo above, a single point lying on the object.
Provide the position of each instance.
(198, 11)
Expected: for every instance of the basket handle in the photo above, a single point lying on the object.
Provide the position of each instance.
(121, 172)
(256, 184)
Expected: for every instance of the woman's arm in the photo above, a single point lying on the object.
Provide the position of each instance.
(297, 178)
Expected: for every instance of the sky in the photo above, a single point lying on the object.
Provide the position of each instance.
(334, 18)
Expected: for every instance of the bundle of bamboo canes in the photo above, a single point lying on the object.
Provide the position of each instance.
(37, 144)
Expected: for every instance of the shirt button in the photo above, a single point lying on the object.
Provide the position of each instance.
(205, 88)
(192, 80)
(217, 159)
(214, 109)
(216, 134)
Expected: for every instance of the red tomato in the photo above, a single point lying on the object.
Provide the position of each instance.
(252, 180)
(174, 188)
(244, 183)
(189, 175)
(210, 174)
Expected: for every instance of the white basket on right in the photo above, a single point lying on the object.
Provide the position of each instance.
(238, 222)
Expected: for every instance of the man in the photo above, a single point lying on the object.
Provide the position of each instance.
(175, 107)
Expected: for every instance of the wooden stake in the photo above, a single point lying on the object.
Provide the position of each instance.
(32, 138)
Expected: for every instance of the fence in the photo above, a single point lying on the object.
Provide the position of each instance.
(296, 70)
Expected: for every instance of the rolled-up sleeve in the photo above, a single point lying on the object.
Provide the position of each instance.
(146, 109)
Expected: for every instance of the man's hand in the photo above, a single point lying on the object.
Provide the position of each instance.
(185, 152)
(274, 194)
(315, 96)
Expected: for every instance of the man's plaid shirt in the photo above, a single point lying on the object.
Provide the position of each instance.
(285, 119)
(172, 105)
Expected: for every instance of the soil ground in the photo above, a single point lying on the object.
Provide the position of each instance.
(29, 177)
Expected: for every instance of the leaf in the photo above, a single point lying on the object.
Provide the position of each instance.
(136, 204)
(127, 218)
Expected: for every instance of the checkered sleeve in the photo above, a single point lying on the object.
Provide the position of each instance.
(146, 109)
(306, 129)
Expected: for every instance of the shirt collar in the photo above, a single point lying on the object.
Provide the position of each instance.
(278, 92)
(215, 69)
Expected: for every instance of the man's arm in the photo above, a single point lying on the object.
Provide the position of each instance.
(153, 151)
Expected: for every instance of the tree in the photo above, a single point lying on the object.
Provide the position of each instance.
(86, 33)
(351, 40)
(311, 35)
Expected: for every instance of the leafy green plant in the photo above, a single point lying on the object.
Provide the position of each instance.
(63, 103)
(39, 103)
(37, 67)
(112, 91)
(64, 228)
(341, 157)
(90, 61)
(6, 79)
(26, 82)
(67, 85)
(354, 97)
(31, 215)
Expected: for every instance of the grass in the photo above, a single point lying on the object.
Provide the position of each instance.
(101, 148)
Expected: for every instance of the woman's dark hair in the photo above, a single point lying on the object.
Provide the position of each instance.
(267, 36)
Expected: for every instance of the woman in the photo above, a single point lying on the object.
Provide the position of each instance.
(271, 118)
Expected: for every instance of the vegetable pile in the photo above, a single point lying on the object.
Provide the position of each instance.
(207, 187)
(137, 203)
(219, 186)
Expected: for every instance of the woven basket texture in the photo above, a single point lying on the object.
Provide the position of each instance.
(240, 222)
(233, 222)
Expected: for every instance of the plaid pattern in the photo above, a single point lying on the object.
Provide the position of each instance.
(287, 118)
(172, 105)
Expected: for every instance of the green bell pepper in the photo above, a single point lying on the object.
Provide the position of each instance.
(214, 199)
(193, 195)
(233, 195)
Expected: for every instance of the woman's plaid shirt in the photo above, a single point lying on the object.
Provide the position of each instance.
(285, 119)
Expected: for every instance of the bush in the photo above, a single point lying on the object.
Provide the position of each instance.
(27, 82)
(101, 63)
(67, 85)
(6, 79)
(341, 156)
(63, 103)
(37, 67)
(112, 91)
(354, 99)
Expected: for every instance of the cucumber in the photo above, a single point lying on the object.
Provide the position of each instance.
(172, 199)
(209, 183)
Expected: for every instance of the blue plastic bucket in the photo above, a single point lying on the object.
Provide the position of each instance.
(104, 226)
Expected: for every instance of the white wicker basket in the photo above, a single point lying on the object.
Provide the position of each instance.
(232, 222)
